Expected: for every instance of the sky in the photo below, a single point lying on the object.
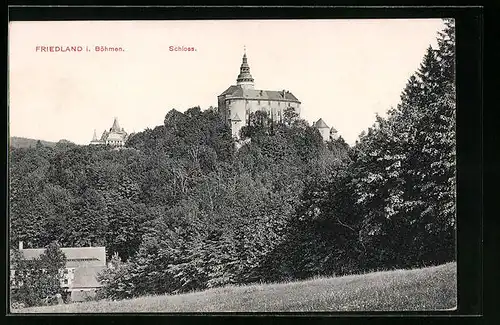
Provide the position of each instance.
(344, 71)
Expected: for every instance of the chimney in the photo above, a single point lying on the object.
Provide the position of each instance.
(20, 245)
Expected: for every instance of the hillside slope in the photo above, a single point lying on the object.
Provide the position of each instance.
(19, 142)
(432, 288)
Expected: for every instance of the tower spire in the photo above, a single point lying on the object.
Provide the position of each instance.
(116, 126)
(94, 138)
(245, 79)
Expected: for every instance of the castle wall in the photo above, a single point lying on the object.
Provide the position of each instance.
(244, 107)
(237, 106)
(325, 133)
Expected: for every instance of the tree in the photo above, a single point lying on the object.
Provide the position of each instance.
(289, 115)
(36, 281)
(404, 172)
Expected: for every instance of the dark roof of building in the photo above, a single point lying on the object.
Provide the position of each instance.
(116, 126)
(230, 90)
(86, 277)
(320, 124)
(74, 255)
(245, 75)
(239, 92)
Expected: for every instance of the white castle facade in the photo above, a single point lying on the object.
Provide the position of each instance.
(115, 137)
(238, 101)
(235, 105)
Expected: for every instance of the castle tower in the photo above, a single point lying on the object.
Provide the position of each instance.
(324, 129)
(95, 140)
(334, 134)
(116, 126)
(245, 79)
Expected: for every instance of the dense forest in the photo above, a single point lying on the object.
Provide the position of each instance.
(182, 208)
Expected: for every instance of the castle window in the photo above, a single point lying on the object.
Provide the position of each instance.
(269, 102)
(258, 102)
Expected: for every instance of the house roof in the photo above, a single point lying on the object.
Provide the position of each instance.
(74, 255)
(320, 124)
(86, 277)
(239, 92)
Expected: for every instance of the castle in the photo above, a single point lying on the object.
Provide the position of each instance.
(235, 105)
(115, 137)
(238, 101)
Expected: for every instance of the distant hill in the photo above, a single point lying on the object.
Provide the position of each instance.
(19, 142)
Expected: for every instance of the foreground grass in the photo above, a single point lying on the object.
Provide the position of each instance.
(432, 288)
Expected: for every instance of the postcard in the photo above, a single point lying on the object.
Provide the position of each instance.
(232, 166)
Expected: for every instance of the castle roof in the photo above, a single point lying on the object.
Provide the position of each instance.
(320, 124)
(230, 90)
(244, 75)
(239, 92)
(116, 126)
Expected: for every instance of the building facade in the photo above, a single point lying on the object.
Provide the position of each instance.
(237, 102)
(80, 274)
(115, 137)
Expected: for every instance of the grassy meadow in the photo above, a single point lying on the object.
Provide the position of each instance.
(432, 288)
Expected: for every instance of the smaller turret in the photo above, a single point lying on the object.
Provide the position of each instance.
(334, 135)
(323, 129)
(95, 140)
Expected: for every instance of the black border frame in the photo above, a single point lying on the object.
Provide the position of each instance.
(469, 29)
